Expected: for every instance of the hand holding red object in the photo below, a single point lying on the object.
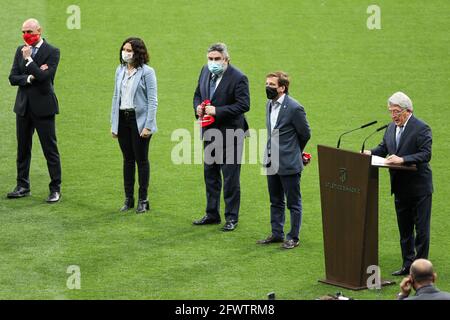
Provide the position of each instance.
(306, 158)
(206, 120)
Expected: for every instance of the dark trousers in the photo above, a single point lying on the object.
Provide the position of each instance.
(414, 213)
(45, 127)
(229, 169)
(280, 187)
(135, 151)
(231, 190)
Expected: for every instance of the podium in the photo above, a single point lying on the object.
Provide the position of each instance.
(349, 200)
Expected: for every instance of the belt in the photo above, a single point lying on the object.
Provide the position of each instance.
(127, 112)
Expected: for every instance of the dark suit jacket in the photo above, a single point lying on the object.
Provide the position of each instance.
(415, 148)
(429, 293)
(231, 98)
(292, 132)
(39, 96)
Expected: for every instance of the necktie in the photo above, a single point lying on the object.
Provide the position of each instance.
(398, 136)
(212, 86)
(34, 51)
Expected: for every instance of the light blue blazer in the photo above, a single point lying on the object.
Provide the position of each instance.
(145, 100)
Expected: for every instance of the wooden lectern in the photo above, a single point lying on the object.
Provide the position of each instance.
(349, 199)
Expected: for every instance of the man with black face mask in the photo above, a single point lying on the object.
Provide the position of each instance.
(288, 133)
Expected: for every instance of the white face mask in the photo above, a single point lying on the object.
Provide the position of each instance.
(127, 56)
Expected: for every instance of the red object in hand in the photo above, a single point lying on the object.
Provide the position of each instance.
(206, 120)
(306, 158)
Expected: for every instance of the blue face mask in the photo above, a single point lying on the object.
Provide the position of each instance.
(215, 68)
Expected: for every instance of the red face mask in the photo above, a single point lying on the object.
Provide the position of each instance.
(31, 39)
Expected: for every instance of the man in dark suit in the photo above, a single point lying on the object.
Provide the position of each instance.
(227, 89)
(422, 278)
(288, 132)
(408, 140)
(33, 71)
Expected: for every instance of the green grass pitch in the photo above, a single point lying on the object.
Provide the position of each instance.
(341, 71)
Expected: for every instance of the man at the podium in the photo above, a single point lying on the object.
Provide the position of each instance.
(408, 140)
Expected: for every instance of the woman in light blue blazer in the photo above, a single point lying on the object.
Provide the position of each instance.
(133, 118)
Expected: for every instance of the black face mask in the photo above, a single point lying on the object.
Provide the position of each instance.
(271, 93)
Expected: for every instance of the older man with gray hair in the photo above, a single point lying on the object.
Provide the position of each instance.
(222, 94)
(408, 140)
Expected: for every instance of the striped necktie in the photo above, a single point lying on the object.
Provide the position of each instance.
(399, 135)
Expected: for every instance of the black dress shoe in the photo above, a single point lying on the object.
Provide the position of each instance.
(128, 204)
(230, 225)
(142, 206)
(206, 220)
(270, 239)
(54, 197)
(18, 192)
(290, 244)
(402, 272)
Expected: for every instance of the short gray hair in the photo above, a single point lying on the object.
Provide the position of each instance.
(402, 100)
(220, 47)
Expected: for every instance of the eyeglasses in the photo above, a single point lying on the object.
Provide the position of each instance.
(396, 112)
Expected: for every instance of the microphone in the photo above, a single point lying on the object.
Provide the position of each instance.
(379, 129)
(362, 127)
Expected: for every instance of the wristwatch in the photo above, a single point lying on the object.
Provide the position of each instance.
(401, 296)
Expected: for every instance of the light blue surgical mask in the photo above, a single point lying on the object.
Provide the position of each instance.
(215, 68)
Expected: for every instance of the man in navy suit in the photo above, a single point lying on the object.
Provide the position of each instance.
(227, 89)
(408, 140)
(288, 132)
(33, 71)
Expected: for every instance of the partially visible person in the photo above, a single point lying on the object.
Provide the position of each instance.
(408, 140)
(288, 134)
(422, 279)
(227, 89)
(33, 71)
(133, 118)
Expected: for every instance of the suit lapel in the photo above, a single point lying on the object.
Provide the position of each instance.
(41, 51)
(283, 109)
(405, 133)
(119, 79)
(204, 83)
(268, 117)
(392, 132)
(224, 80)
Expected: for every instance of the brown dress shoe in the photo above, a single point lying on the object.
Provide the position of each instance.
(270, 239)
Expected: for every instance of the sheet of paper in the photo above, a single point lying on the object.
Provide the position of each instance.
(378, 161)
